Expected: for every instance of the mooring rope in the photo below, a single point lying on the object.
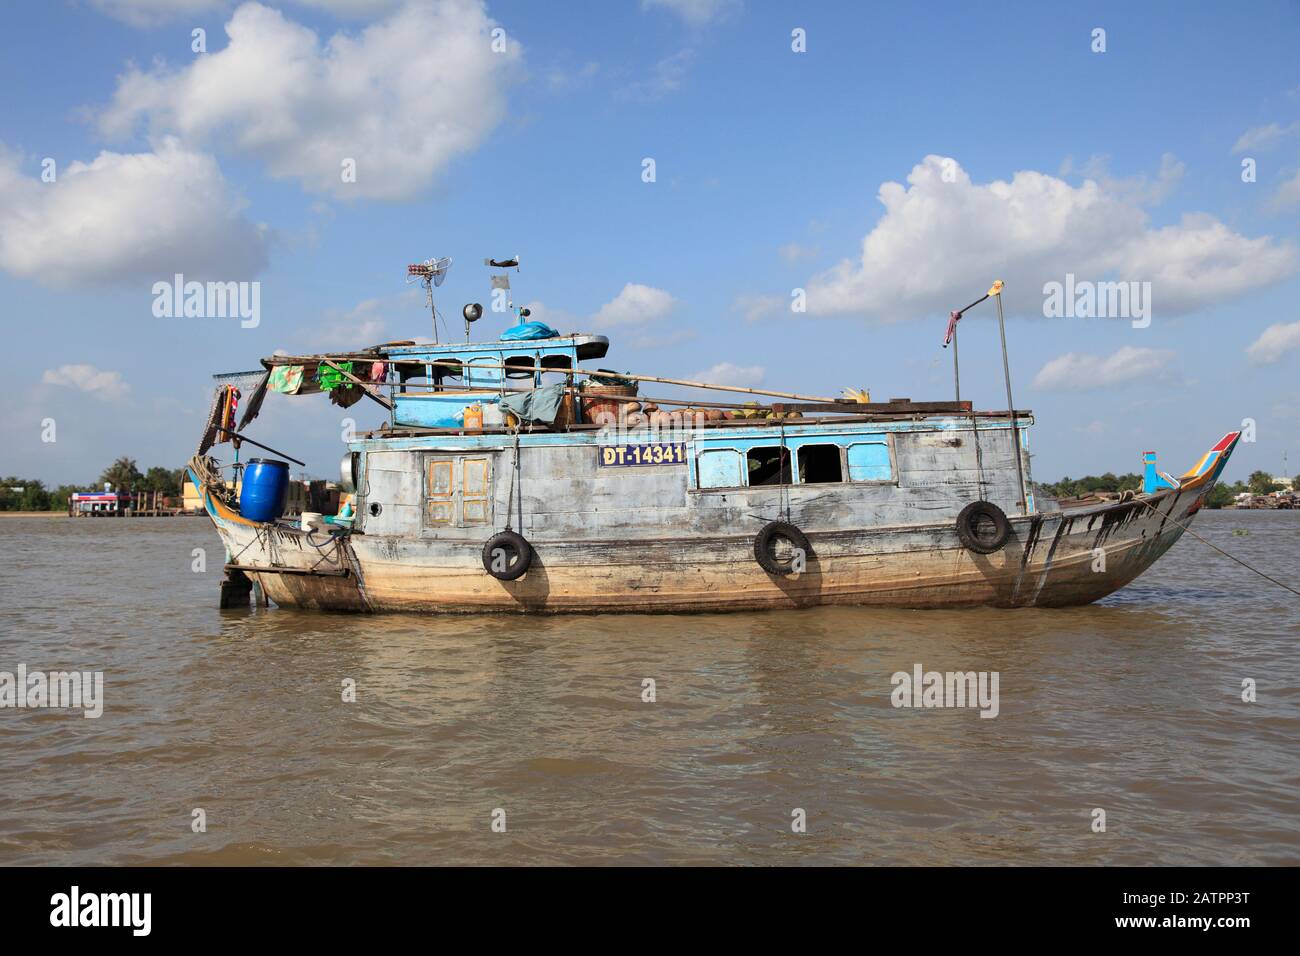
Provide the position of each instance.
(1248, 567)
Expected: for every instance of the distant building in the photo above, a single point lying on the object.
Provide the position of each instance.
(97, 503)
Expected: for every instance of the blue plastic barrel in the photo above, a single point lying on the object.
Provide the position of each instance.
(265, 490)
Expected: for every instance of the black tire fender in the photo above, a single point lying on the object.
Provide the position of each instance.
(983, 527)
(518, 552)
(767, 536)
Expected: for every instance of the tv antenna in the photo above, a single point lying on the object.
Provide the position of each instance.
(430, 274)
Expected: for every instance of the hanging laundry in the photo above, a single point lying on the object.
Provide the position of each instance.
(378, 371)
(331, 377)
(345, 396)
(286, 379)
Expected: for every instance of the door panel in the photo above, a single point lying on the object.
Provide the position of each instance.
(458, 491)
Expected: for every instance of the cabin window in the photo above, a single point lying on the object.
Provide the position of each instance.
(482, 374)
(819, 464)
(556, 361)
(450, 371)
(869, 461)
(514, 371)
(719, 468)
(768, 465)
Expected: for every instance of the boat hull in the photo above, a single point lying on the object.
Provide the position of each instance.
(1054, 559)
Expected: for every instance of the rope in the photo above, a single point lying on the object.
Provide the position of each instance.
(510, 498)
(780, 477)
(1285, 587)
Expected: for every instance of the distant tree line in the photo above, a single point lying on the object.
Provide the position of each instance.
(1259, 483)
(30, 494)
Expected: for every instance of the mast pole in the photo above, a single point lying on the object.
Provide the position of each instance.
(996, 292)
(956, 369)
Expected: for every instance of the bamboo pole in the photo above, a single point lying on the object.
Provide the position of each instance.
(574, 370)
(639, 378)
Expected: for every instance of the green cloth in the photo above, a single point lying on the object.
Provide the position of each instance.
(539, 405)
(331, 378)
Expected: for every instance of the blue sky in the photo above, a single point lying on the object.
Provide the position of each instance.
(1017, 152)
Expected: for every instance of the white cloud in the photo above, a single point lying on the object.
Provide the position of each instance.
(127, 216)
(635, 305)
(940, 243)
(152, 13)
(1289, 192)
(696, 12)
(1076, 371)
(402, 98)
(105, 385)
(755, 308)
(367, 323)
(724, 373)
(1274, 342)
(1261, 137)
(1138, 190)
(666, 76)
(792, 252)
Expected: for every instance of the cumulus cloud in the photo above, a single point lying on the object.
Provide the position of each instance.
(1275, 341)
(87, 378)
(724, 373)
(636, 305)
(401, 99)
(1077, 371)
(943, 238)
(127, 216)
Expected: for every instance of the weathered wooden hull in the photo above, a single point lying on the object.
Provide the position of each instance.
(1050, 560)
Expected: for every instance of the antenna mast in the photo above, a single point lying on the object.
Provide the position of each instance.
(430, 273)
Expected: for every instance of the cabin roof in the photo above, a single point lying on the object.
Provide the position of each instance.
(587, 346)
(584, 345)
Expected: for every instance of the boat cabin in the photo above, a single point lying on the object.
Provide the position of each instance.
(436, 383)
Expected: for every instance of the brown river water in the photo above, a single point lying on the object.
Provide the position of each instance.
(1132, 705)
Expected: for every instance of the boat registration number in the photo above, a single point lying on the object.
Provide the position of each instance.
(650, 453)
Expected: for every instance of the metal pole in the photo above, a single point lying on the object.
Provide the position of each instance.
(956, 373)
(432, 308)
(1011, 409)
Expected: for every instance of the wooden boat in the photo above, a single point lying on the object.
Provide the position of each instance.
(821, 501)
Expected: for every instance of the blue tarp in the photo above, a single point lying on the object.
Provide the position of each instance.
(528, 331)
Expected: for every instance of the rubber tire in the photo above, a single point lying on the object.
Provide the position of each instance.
(763, 542)
(966, 523)
(511, 542)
